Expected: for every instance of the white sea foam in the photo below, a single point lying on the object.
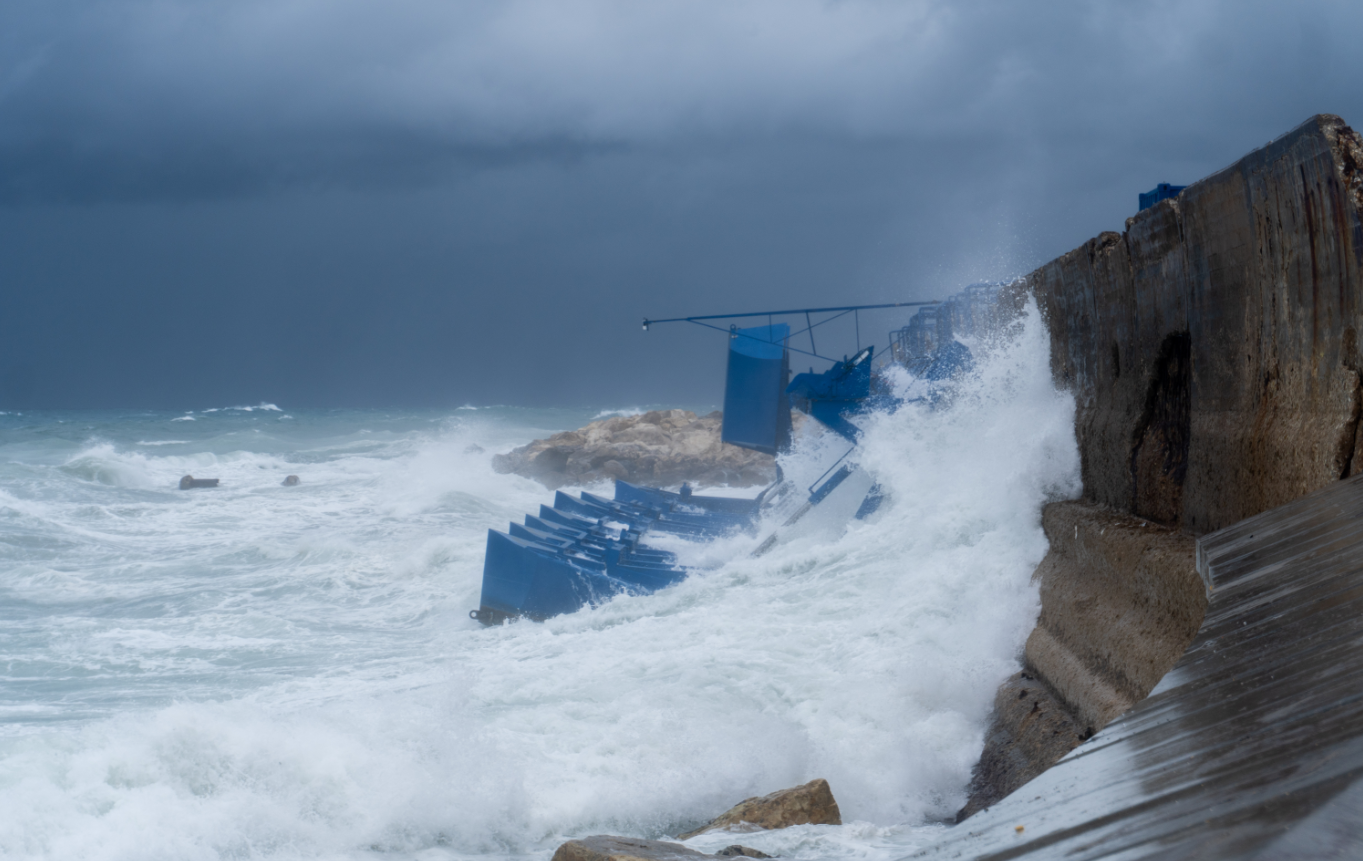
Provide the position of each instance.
(260, 406)
(624, 412)
(271, 672)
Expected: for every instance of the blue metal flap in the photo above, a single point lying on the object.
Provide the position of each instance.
(756, 408)
(1163, 191)
(838, 392)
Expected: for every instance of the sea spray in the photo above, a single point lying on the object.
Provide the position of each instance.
(268, 672)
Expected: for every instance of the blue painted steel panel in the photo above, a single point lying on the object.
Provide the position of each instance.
(626, 493)
(840, 391)
(1163, 191)
(568, 557)
(756, 408)
(523, 578)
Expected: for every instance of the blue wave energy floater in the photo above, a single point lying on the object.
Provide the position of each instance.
(586, 549)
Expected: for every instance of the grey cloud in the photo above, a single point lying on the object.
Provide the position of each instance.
(332, 202)
(207, 97)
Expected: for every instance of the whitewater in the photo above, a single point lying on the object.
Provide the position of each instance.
(268, 672)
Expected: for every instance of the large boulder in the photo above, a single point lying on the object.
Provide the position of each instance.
(811, 804)
(659, 448)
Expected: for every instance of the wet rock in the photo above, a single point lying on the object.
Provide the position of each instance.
(290, 481)
(606, 848)
(189, 482)
(663, 447)
(746, 851)
(810, 804)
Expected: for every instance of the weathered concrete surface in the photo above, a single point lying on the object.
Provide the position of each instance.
(1213, 347)
(1120, 601)
(810, 804)
(1032, 729)
(658, 448)
(1252, 746)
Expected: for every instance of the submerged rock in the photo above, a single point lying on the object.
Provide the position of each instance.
(605, 848)
(811, 804)
(657, 448)
(189, 482)
(746, 851)
(290, 481)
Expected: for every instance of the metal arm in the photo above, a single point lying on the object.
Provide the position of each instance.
(648, 322)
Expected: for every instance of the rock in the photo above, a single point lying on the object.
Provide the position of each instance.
(189, 482)
(811, 804)
(747, 852)
(290, 481)
(606, 848)
(662, 447)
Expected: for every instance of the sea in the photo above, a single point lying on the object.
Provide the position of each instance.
(258, 671)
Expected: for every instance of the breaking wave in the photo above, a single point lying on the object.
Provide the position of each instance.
(270, 672)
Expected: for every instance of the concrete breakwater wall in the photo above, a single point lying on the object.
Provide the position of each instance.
(1251, 748)
(1212, 349)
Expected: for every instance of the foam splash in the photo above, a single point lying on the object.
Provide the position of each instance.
(626, 412)
(260, 406)
(290, 672)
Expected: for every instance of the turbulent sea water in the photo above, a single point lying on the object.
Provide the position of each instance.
(258, 671)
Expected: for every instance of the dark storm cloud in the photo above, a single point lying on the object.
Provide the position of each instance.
(133, 98)
(426, 202)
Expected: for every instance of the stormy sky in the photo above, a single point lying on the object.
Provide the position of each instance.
(428, 203)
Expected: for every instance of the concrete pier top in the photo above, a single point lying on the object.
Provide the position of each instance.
(1252, 746)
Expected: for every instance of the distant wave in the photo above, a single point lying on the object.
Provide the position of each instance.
(260, 406)
(164, 441)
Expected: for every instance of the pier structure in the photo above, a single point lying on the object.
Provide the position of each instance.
(1195, 667)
